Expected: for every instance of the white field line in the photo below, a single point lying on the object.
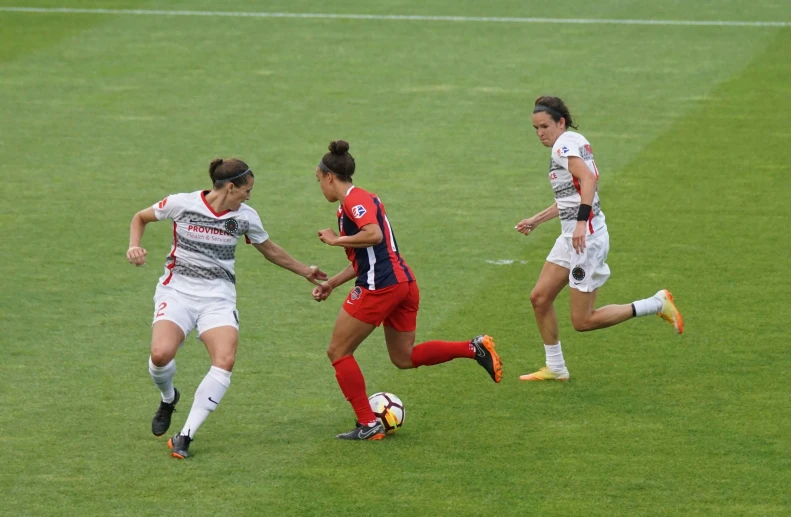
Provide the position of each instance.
(395, 17)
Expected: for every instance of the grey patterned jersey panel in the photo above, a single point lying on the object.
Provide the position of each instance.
(565, 190)
(209, 273)
(570, 214)
(217, 251)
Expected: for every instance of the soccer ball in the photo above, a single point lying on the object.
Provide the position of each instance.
(389, 410)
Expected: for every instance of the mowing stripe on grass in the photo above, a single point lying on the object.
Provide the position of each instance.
(395, 17)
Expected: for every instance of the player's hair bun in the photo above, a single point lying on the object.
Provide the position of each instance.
(339, 147)
(213, 167)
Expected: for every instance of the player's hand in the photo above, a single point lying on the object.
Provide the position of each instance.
(328, 236)
(526, 226)
(322, 291)
(578, 237)
(316, 275)
(136, 255)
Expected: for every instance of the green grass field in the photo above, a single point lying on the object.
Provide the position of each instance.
(105, 114)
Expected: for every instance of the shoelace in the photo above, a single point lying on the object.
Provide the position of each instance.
(165, 406)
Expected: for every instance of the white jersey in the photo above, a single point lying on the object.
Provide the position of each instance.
(201, 261)
(567, 187)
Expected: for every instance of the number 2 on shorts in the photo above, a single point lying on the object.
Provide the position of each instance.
(160, 309)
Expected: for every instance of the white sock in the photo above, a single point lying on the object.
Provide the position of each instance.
(163, 378)
(648, 306)
(208, 395)
(555, 358)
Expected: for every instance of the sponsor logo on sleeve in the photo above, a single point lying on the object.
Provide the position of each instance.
(163, 203)
(358, 211)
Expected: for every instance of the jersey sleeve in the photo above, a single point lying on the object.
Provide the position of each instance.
(563, 149)
(360, 208)
(170, 207)
(255, 232)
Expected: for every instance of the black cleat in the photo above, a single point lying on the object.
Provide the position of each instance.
(364, 432)
(487, 357)
(180, 445)
(161, 422)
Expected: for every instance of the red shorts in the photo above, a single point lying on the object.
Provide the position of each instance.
(395, 305)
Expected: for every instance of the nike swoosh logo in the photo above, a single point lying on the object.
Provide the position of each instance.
(479, 351)
(350, 303)
(365, 435)
(213, 402)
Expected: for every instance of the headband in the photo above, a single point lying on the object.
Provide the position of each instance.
(235, 177)
(540, 107)
(323, 166)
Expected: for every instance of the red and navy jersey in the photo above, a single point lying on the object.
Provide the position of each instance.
(376, 266)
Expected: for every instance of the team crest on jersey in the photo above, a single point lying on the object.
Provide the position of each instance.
(163, 203)
(231, 225)
(578, 274)
(358, 211)
(356, 293)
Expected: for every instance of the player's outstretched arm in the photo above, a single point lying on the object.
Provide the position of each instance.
(528, 225)
(277, 255)
(135, 254)
(323, 291)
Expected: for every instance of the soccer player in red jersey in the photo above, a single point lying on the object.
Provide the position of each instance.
(385, 291)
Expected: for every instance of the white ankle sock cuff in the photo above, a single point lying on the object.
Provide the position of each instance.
(647, 306)
(554, 354)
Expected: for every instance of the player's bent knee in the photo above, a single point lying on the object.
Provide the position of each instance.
(224, 361)
(334, 354)
(539, 299)
(582, 324)
(403, 363)
(161, 356)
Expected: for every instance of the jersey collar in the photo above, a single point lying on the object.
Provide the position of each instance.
(216, 214)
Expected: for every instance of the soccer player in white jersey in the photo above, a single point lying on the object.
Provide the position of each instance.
(197, 289)
(579, 254)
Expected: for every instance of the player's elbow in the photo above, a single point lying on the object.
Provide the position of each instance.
(376, 236)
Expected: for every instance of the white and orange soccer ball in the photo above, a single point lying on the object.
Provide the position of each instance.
(389, 410)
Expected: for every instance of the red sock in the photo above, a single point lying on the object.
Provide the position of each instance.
(352, 384)
(435, 352)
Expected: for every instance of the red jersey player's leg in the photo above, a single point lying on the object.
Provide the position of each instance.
(400, 328)
(362, 312)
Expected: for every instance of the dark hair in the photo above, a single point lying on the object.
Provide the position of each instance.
(339, 161)
(557, 109)
(221, 171)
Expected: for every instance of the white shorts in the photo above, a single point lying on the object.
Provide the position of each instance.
(189, 312)
(587, 271)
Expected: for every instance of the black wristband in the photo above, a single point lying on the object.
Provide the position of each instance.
(584, 213)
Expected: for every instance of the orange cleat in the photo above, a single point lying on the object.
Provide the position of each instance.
(179, 446)
(545, 374)
(670, 312)
(487, 357)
